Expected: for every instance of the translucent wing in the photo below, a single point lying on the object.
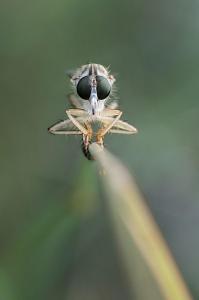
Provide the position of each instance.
(123, 127)
(120, 126)
(64, 127)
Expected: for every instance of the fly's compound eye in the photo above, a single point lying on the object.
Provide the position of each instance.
(84, 88)
(103, 87)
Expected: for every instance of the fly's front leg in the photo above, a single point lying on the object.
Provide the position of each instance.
(100, 140)
(76, 122)
(103, 131)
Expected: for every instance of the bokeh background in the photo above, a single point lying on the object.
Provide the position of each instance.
(56, 237)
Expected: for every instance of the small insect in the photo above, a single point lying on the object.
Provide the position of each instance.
(93, 116)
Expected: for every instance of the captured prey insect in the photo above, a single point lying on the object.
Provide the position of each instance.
(92, 108)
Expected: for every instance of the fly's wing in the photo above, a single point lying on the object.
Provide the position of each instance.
(123, 127)
(74, 101)
(119, 127)
(64, 127)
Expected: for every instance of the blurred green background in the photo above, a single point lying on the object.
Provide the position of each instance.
(56, 238)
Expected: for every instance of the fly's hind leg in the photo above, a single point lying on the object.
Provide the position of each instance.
(87, 138)
(86, 131)
(86, 141)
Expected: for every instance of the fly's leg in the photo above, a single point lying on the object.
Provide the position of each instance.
(103, 131)
(86, 141)
(100, 140)
(87, 137)
(121, 127)
(76, 122)
(86, 131)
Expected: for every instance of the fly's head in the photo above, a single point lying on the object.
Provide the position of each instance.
(94, 85)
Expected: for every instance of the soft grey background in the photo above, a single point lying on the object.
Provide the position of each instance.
(55, 233)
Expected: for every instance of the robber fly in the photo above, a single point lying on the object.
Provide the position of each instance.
(93, 86)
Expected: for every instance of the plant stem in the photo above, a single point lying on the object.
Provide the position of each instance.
(135, 216)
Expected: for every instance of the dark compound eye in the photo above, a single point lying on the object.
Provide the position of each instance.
(84, 88)
(103, 87)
